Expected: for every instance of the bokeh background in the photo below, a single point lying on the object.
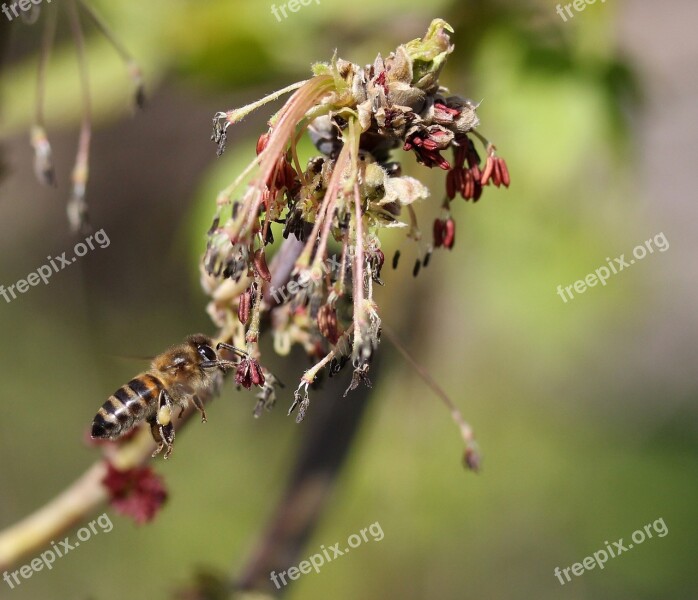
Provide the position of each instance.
(585, 412)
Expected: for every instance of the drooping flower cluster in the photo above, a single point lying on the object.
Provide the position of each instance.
(337, 204)
(77, 208)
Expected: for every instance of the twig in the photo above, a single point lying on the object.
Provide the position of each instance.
(87, 494)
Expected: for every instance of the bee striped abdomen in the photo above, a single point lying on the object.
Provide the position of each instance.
(129, 405)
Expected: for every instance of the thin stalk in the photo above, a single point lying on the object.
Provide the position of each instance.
(358, 273)
(134, 71)
(465, 429)
(238, 114)
(77, 209)
(47, 40)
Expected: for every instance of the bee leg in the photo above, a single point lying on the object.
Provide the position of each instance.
(199, 406)
(167, 432)
(161, 428)
(155, 432)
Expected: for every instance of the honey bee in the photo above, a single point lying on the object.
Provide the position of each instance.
(181, 373)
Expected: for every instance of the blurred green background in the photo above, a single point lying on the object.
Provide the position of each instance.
(585, 411)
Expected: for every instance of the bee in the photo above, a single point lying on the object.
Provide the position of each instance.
(182, 373)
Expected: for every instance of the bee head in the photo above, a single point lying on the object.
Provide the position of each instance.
(204, 349)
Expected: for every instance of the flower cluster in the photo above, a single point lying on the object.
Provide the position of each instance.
(358, 118)
(138, 492)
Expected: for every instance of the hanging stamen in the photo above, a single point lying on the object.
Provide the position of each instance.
(43, 158)
(77, 206)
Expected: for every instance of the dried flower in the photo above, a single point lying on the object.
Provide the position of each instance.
(359, 118)
(249, 373)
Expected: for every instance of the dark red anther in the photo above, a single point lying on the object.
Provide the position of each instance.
(260, 264)
(468, 189)
(451, 184)
(506, 180)
(244, 305)
(487, 173)
(449, 233)
(497, 173)
(256, 373)
(438, 233)
(262, 142)
(477, 193)
(249, 373)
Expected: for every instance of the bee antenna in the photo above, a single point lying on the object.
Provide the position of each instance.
(231, 348)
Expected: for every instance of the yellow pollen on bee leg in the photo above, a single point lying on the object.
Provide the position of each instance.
(164, 415)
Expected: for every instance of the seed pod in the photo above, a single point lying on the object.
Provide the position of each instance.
(260, 264)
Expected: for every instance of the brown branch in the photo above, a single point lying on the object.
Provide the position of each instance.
(331, 428)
